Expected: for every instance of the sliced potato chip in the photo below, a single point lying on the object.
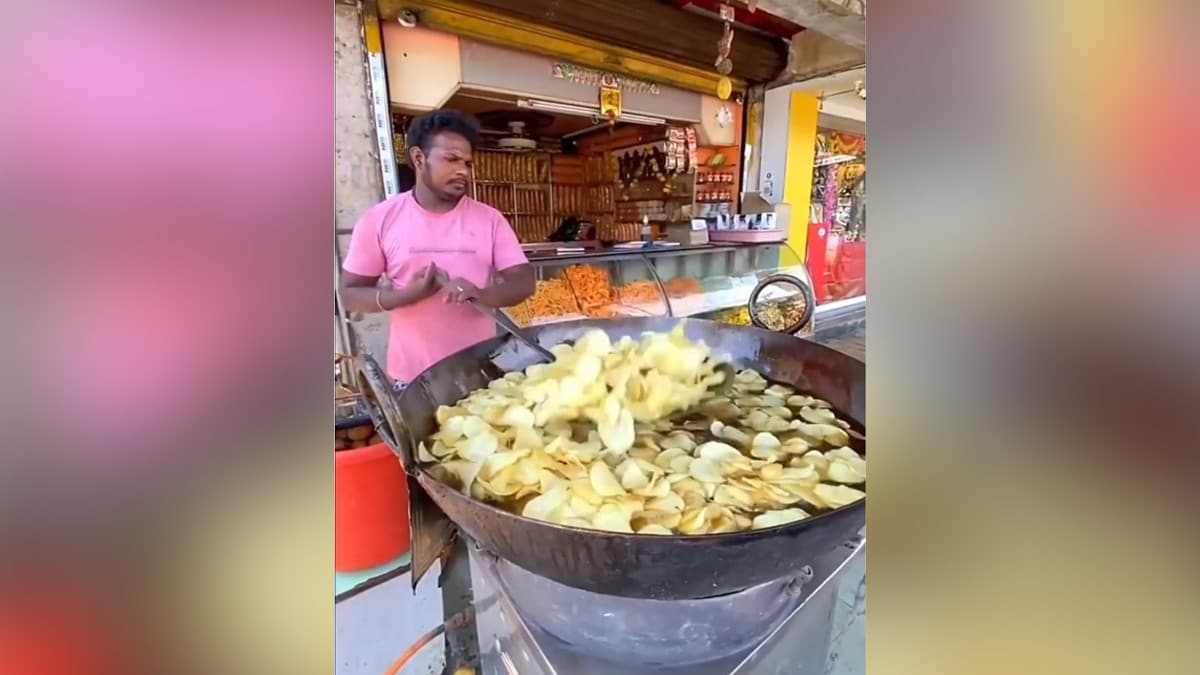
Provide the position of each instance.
(800, 401)
(803, 474)
(779, 391)
(728, 495)
(844, 453)
(669, 502)
(681, 440)
(837, 495)
(777, 518)
(663, 459)
(517, 416)
(612, 518)
(631, 475)
(705, 471)
(655, 529)
(603, 481)
(718, 452)
(618, 435)
(765, 453)
(771, 471)
(445, 413)
(780, 411)
(423, 454)
(693, 521)
(817, 415)
(765, 440)
(582, 488)
(465, 471)
(500, 461)
(842, 471)
(542, 506)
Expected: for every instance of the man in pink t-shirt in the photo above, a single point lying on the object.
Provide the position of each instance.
(436, 250)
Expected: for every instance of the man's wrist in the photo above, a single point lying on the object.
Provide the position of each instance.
(391, 298)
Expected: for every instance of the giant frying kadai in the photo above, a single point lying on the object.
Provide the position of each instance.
(629, 436)
(626, 467)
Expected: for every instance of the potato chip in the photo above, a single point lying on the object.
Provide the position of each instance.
(771, 471)
(680, 465)
(603, 481)
(663, 459)
(583, 489)
(655, 529)
(631, 475)
(669, 502)
(777, 518)
(464, 471)
(543, 505)
(681, 440)
(715, 451)
(517, 416)
(613, 519)
(478, 448)
(728, 495)
(817, 415)
(836, 496)
(582, 507)
(423, 454)
(800, 401)
(842, 471)
(705, 471)
(445, 413)
(765, 453)
(778, 391)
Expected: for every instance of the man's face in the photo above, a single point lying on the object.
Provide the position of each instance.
(446, 168)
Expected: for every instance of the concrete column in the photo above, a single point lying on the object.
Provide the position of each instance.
(357, 175)
(789, 150)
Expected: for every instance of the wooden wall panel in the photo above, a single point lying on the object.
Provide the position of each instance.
(652, 27)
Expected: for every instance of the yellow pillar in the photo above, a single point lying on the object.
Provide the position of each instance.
(801, 154)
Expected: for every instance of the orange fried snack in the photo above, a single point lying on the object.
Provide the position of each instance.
(682, 287)
(521, 313)
(640, 292)
(593, 288)
(553, 298)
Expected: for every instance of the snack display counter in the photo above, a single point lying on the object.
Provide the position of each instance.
(710, 281)
(598, 286)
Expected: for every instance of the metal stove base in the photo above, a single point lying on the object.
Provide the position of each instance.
(501, 642)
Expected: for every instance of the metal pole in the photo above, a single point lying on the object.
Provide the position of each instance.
(380, 103)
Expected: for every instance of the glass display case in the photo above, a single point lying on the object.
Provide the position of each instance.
(710, 281)
(716, 281)
(598, 286)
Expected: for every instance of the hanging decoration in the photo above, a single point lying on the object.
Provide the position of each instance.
(610, 104)
(723, 63)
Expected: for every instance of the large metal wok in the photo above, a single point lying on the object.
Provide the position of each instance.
(659, 567)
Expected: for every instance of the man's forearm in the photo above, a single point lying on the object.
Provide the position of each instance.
(505, 293)
(363, 299)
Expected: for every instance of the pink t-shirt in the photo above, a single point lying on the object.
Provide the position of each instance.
(397, 239)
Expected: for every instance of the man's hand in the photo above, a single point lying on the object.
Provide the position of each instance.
(461, 290)
(426, 283)
(422, 286)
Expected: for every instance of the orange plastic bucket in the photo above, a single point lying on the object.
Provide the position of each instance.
(370, 508)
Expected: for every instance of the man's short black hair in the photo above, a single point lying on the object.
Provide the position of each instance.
(422, 129)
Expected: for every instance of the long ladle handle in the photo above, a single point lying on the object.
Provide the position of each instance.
(512, 329)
